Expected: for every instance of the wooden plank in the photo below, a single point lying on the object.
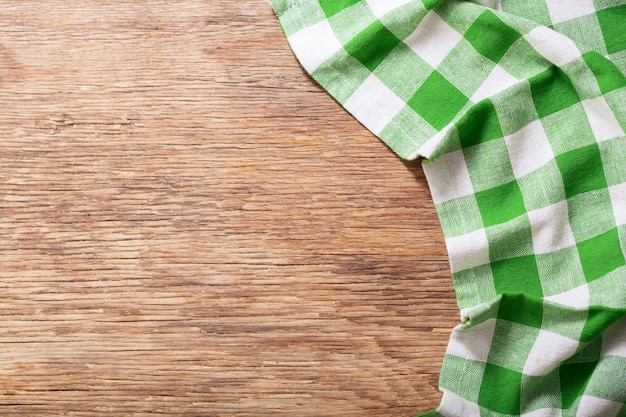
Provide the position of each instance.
(190, 226)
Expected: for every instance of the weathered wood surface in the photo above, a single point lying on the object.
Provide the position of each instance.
(189, 226)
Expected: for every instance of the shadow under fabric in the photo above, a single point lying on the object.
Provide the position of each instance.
(518, 111)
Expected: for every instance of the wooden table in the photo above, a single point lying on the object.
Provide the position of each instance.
(190, 226)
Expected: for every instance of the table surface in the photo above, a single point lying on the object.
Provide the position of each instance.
(190, 226)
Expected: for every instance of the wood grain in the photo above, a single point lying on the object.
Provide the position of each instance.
(190, 226)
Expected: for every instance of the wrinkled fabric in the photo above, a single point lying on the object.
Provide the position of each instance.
(518, 112)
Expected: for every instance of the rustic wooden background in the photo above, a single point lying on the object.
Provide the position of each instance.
(189, 226)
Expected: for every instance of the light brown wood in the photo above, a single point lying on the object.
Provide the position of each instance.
(190, 226)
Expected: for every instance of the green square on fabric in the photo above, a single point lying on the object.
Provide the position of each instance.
(346, 27)
(498, 42)
(511, 344)
(597, 202)
(563, 134)
(372, 45)
(568, 322)
(582, 170)
(543, 187)
(517, 276)
(519, 308)
(601, 255)
(612, 25)
(479, 124)
(438, 101)
(499, 390)
(332, 7)
(459, 216)
(563, 263)
(609, 372)
(574, 379)
(541, 392)
(552, 91)
(510, 240)
(490, 163)
(607, 74)
(587, 85)
(613, 154)
(500, 204)
(461, 373)
(619, 58)
(474, 286)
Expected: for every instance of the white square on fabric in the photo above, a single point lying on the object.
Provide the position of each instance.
(603, 123)
(553, 46)
(550, 228)
(576, 297)
(529, 149)
(433, 39)
(449, 177)
(454, 406)
(591, 406)
(618, 201)
(382, 7)
(548, 352)
(498, 80)
(614, 340)
(468, 251)
(473, 343)
(563, 10)
(374, 105)
(314, 45)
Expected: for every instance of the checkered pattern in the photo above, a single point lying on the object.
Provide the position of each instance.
(518, 109)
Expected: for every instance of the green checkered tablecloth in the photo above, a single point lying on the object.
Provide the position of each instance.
(518, 109)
